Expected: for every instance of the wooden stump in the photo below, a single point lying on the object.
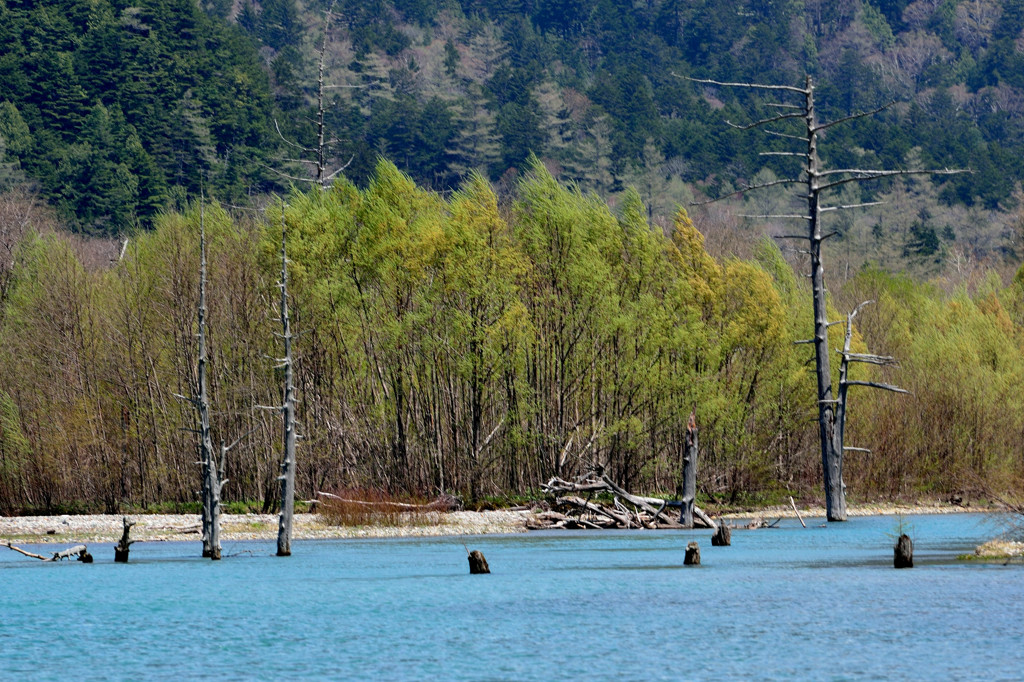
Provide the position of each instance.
(477, 563)
(122, 547)
(692, 557)
(903, 552)
(722, 536)
(85, 557)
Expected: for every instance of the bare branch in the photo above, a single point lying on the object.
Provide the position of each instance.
(791, 236)
(873, 175)
(786, 135)
(883, 360)
(755, 86)
(853, 449)
(763, 121)
(286, 140)
(785, 181)
(774, 215)
(873, 384)
(860, 114)
(849, 206)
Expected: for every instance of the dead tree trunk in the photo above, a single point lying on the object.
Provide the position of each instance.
(692, 557)
(202, 400)
(815, 180)
(284, 533)
(722, 536)
(689, 473)
(477, 563)
(122, 548)
(903, 552)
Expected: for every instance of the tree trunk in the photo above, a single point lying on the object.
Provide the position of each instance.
(722, 536)
(203, 400)
(689, 472)
(122, 548)
(692, 557)
(284, 533)
(477, 563)
(831, 455)
(903, 552)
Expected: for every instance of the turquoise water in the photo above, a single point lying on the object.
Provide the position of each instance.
(785, 603)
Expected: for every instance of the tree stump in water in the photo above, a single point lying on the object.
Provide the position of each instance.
(722, 536)
(903, 552)
(121, 549)
(477, 563)
(692, 557)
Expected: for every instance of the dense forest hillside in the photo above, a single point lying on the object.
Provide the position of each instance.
(119, 109)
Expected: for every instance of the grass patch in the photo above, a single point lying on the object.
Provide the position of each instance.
(376, 507)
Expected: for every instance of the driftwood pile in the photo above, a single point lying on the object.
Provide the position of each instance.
(574, 507)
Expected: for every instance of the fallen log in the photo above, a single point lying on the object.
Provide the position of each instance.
(595, 508)
(445, 503)
(653, 506)
(78, 551)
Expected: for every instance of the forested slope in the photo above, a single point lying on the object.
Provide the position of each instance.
(119, 109)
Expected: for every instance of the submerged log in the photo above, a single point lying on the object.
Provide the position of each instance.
(121, 550)
(903, 552)
(477, 563)
(722, 536)
(692, 557)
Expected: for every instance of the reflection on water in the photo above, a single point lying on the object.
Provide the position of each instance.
(784, 603)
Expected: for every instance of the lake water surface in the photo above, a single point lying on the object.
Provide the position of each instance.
(785, 603)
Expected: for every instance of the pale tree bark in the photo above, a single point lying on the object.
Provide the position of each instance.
(815, 181)
(202, 404)
(287, 478)
(320, 152)
(689, 472)
(200, 400)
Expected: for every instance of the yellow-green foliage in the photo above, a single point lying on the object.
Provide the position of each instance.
(453, 343)
(963, 359)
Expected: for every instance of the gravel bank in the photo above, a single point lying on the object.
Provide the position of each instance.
(165, 527)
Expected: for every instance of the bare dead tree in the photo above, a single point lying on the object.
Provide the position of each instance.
(202, 402)
(212, 471)
(815, 181)
(320, 152)
(287, 478)
(689, 472)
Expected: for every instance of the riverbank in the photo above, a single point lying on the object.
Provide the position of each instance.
(169, 527)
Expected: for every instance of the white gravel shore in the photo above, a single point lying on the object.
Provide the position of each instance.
(164, 527)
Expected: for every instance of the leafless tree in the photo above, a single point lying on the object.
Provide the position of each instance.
(814, 182)
(320, 152)
(287, 478)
